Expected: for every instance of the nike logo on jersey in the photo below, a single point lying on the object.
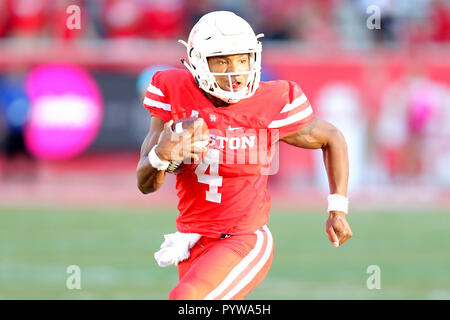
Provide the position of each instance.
(231, 129)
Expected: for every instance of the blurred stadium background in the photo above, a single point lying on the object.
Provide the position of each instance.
(72, 121)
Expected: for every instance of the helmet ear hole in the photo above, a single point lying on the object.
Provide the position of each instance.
(196, 54)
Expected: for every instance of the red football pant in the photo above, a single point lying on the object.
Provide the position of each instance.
(224, 268)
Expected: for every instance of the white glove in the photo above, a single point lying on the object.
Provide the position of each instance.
(175, 248)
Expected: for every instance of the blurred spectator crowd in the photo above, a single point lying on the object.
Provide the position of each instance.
(305, 21)
(403, 128)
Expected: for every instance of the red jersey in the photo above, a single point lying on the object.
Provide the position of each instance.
(227, 192)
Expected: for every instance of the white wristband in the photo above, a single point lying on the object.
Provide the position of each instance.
(156, 162)
(336, 202)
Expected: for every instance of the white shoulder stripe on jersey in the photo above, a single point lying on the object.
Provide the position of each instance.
(239, 268)
(246, 280)
(297, 102)
(157, 104)
(289, 120)
(155, 90)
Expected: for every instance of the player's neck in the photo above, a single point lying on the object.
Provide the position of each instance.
(218, 103)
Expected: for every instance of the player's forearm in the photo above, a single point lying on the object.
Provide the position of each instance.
(336, 163)
(149, 179)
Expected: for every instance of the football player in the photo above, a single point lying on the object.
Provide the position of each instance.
(223, 247)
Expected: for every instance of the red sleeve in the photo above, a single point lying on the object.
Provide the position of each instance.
(155, 100)
(294, 115)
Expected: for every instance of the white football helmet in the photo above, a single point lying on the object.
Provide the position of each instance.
(223, 33)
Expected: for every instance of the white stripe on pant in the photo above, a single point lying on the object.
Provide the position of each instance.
(241, 267)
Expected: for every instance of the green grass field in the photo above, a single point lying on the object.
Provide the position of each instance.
(114, 249)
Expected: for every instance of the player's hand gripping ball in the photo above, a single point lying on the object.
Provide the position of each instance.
(199, 138)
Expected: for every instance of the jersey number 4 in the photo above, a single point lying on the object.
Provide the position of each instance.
(211, 159)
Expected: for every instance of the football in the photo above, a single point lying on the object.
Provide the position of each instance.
(180, 126)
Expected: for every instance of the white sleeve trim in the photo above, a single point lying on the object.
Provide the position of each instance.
(289, 120)
(155, 90)
(157, 104)
(297, 102)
